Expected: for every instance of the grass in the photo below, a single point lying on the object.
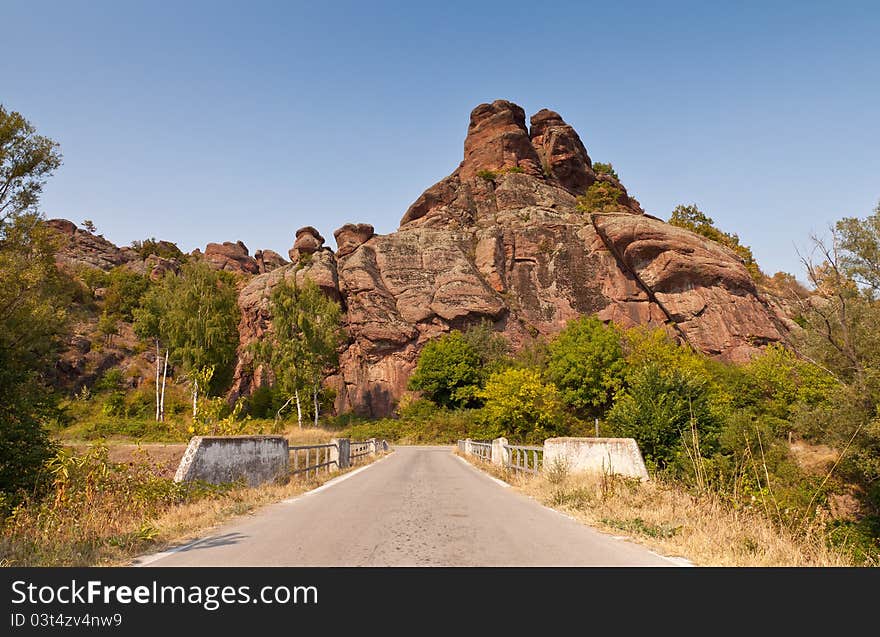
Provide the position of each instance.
(97, 512)
(675, 522)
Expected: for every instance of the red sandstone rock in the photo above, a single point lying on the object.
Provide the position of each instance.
(232, 257)
(512, 247)
(350, 236)
(308, 240)
(268, 260)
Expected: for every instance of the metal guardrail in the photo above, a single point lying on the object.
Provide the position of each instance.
(483, 450)
(302, 463)
(358, 449)
(517, 458)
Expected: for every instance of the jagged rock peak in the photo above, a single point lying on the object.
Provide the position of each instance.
(308, 241)
(351, 236)
(562, 153)
(497, 140)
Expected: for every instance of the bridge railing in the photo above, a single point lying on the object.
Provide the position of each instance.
(339, 453)
(359, 449)
(620, 456)
(483, 450)
(311, 458)
(523, 459)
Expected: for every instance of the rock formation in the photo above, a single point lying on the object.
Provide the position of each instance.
(232, 257)
(502, 239)
(81, 248)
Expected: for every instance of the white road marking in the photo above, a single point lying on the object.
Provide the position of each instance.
(483, 473)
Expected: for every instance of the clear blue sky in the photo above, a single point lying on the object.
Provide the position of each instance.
(213, 121)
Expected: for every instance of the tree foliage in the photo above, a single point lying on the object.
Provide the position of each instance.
(125, 290)
(33, 300)
(662, 408)
(195, 315)
(164, 249)
(691, 218)
(302, 343)
(602, 196)
(586, 363)
(601, 168)
(449, 371)
(521, 406)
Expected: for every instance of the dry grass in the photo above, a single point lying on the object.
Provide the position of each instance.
(309, 435)
(672, 521)
(101, 513)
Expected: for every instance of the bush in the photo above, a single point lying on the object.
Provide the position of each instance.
(448, 371)
(604, 169)
(662, 407)
(602, 196)
(585, 362)
(94, 507)
(520, 406)
(125, 290)
(488, 175)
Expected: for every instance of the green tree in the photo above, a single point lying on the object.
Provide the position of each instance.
(859, 244)
(33, 298)
(490, 346)
(842, 337)
(164, 249)
(125, 289)
(663, 408)
(586, 363)
(521, 406)
(692, 218)
(602, 196)
(449, 371)
(302, 343)
(601, 168)
(195, 314)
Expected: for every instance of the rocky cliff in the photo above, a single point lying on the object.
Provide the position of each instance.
(503, 239)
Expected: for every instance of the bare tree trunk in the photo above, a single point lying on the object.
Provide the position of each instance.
(315, 402)
(195, 397)
(162, 397)
(299, 412)
(283, 407)
(158, 365)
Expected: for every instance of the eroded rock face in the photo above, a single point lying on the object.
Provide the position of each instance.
(308, 240)
(82, 248)
(268, 260)
(232, 257)
(502, 239)
(350, 237)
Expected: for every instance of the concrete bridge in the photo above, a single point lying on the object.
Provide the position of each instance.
(417, 506)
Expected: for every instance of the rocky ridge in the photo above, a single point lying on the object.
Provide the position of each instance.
(502, 239)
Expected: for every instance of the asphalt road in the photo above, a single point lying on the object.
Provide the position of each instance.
(419, 506)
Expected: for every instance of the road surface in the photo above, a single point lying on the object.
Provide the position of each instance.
(419, 506)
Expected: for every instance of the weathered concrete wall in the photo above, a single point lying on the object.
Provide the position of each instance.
(219, 459)
(596, 455)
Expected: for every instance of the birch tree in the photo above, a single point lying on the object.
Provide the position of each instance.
(195, 314)
(301, 344)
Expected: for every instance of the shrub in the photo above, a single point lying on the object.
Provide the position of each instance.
(602, 196)
(604, 169)
(520, 406)
(585, 362)
(660, 408)
(488, 175)
(448, 371)
(125, 290)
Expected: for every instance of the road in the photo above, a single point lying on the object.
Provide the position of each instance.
(419, 506)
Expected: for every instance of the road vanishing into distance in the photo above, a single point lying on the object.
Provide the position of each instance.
(418, 506)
